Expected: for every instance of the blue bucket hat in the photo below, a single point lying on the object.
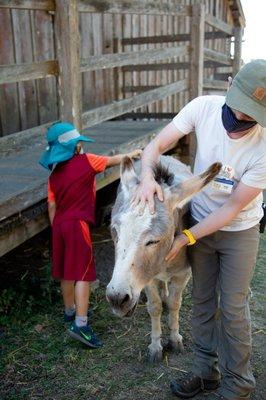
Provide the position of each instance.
(62, 138)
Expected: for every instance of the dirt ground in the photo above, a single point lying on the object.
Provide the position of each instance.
(40, 361)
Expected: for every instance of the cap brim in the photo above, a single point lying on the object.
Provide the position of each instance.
(239, 101)
(55, 155)
(82, 138)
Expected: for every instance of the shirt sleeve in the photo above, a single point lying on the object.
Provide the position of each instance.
(98, 163)
(255, 175)
(50, 194)
(185, 121)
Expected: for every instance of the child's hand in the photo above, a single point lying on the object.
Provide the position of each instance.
(135, 153)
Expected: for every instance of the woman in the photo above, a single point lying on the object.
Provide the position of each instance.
(225, 233)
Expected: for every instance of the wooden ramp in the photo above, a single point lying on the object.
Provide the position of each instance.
(23, 184)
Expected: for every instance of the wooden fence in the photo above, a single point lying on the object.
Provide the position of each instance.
(162, 54)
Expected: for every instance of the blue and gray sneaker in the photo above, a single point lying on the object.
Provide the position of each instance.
(85, 335)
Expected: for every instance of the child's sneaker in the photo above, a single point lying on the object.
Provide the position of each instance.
(85, 335)
(70, 318)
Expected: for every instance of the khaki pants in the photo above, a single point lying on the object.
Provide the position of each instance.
(222, 266)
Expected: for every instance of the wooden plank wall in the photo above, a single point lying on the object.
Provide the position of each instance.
(28, 36)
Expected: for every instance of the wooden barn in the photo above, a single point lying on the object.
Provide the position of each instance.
(118, 69)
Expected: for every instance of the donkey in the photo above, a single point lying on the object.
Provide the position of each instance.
(143, 241)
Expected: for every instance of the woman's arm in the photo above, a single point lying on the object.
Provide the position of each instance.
(239, 199)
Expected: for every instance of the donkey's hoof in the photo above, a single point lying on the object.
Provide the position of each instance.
(155, 356)
(175, 346)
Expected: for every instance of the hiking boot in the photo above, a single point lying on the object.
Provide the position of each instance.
(85, 335)
(192, 385)
(70, 318)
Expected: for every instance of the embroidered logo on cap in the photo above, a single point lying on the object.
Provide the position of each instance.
(259, 93)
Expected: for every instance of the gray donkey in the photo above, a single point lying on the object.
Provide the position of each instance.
(143, 241)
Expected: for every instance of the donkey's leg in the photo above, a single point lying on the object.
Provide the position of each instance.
(174, 300)
(154, 306)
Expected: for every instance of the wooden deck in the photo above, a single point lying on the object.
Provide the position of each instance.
(24, 182)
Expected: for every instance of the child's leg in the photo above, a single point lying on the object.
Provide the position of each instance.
(82, 292)
(68, 293)
(67, 288)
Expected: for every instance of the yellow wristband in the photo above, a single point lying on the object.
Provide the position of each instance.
(191, 238)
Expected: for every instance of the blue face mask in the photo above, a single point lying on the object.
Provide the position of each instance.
(232, 124)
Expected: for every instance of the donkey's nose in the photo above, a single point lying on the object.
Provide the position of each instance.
(118, 300)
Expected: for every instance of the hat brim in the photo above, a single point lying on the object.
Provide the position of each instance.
(239, 101)
(55, 155)
(61, 151)
(83, 138)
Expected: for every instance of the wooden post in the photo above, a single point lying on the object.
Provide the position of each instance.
(68, 56)
(197, 50)
(238, 32)
(196, 66)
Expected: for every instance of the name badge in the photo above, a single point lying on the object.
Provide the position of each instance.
(223, 185)
(224, 181)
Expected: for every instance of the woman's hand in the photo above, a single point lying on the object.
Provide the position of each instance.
(179, 242)
(145, 193)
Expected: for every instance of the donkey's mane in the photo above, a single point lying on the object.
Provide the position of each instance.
(163, 175)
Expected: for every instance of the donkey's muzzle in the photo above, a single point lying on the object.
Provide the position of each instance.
(121, 303)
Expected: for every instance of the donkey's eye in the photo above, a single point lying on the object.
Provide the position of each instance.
(151, 242)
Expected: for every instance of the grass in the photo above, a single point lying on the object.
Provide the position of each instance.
(39, 360)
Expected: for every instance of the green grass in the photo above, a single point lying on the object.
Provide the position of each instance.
(39, 360)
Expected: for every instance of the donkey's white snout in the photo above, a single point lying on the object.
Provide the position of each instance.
(120, 301)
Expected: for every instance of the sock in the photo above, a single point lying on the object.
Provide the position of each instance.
(70, 311)
(81, 321)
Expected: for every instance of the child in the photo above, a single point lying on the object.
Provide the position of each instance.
(71, 206)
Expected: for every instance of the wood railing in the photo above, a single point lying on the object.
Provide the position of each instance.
(69, 67)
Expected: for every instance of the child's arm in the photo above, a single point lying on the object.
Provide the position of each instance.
(115, 160)
(51, 203)
(51, 211)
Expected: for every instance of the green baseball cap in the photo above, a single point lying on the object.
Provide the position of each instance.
(247, 93)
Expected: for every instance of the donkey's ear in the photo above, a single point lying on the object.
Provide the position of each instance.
(183, 192)
(128, 175)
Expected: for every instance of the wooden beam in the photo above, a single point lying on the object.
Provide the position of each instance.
(23, 199)
(180, 37)
(237, 13)
(219, 24)
(237, 60)
(217, 35)
(197, 46)
(135, 89)
(20, 140)
(156, 7)
(213, 55)
(21, 228)
(109, 111)
(25, 72)
(131, 58)
(139, 115)
(214, 84)
(157, 67)
(47, 5)
(168, 66)
(68, 49)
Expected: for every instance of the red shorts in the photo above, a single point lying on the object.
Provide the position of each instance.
(72, 256)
